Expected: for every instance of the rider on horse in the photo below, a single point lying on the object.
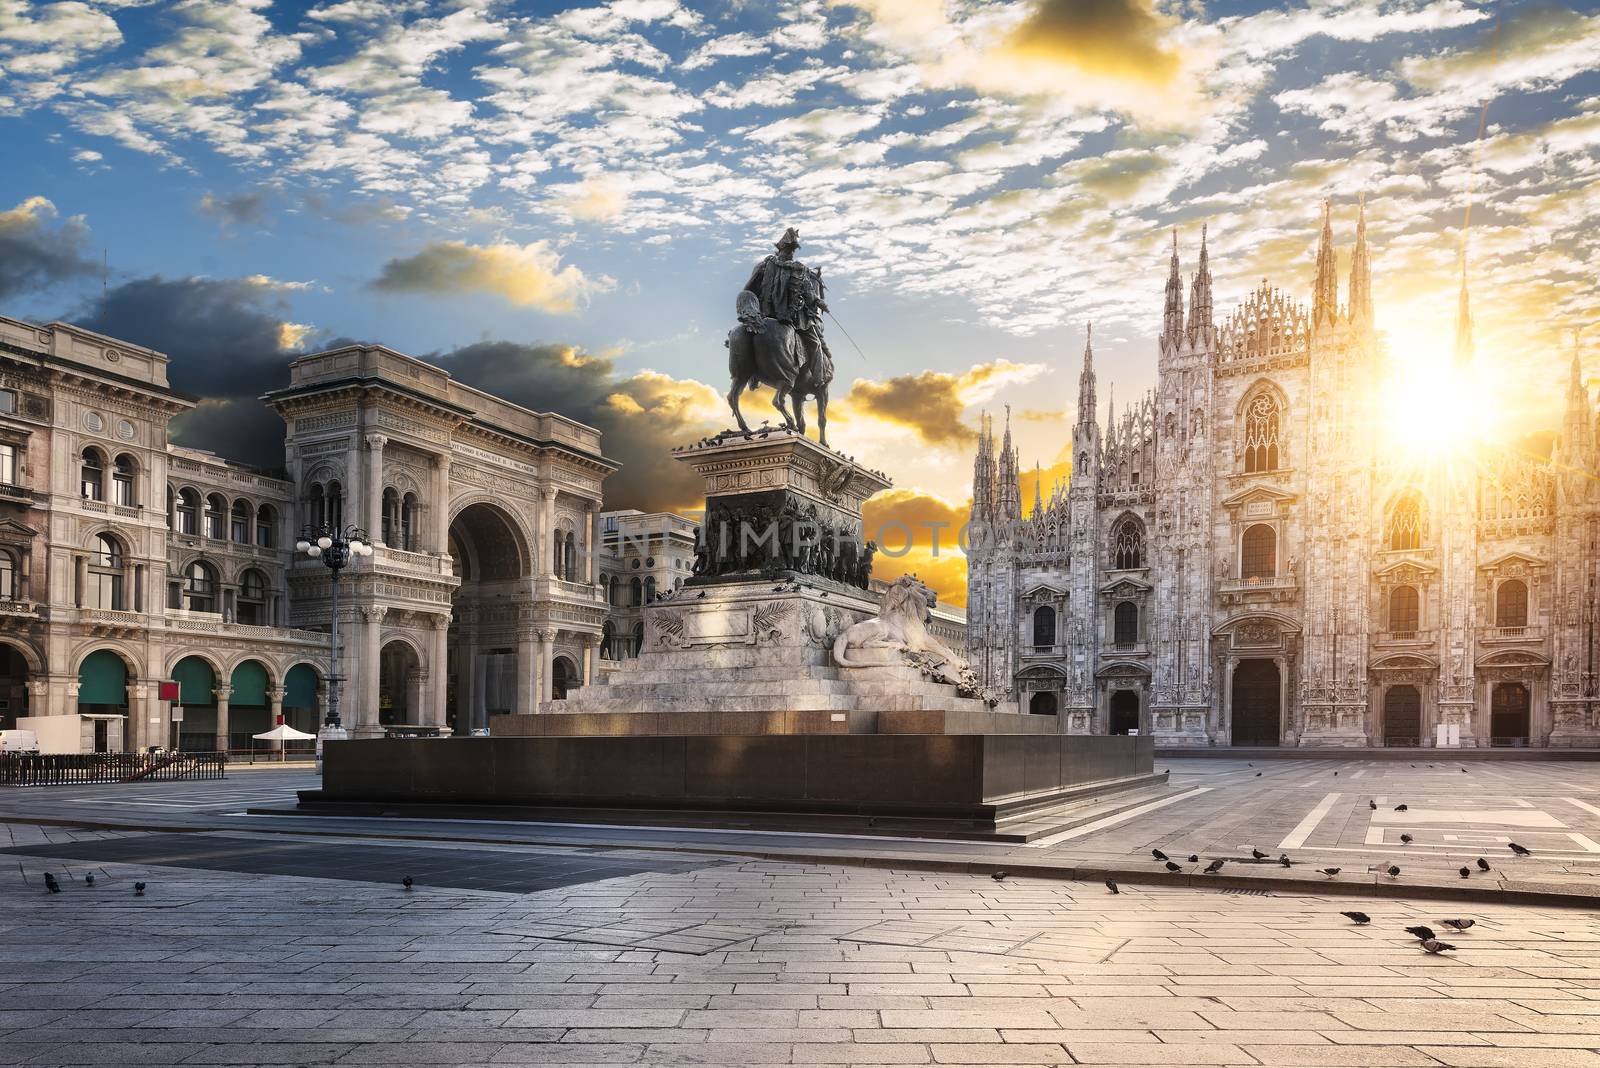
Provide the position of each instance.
(791, 293)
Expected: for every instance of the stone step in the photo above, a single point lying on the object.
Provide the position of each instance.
(1097, 801)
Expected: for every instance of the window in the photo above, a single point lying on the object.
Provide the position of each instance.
(9, 589)
(8, 465)
(1405, 611)
(216, 509)
(105, 575)
(239, 522)
(1127, 545)
(1258, 553)
(316, 507)
(1406, 529)
(408, 523)
(122, 482)
(252, 606)
(1511, 604)
(93, 475)
(188, 512)
(391, 517)
(1044, 627)
(649, 589)
(570, 567)
(1125, 629)
(8, 402)
(200, 587)
(1261, 435)
(638, 639)
(335, 506)
(635, 593)
(607, 640)
(266, 519)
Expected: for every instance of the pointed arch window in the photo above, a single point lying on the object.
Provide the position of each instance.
(1407, 529)
(1261, 426)
(1127, 545)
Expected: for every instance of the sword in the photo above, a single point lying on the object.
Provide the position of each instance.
(847, 336)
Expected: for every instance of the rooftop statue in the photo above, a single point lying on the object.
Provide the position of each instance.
(779, 341)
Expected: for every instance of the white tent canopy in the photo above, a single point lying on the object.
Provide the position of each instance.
(284, 733)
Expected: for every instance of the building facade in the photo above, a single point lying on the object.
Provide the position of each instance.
(643, 555)
(1240, 557)
(126, 560)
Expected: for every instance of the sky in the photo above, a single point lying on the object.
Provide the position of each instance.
(559, 203)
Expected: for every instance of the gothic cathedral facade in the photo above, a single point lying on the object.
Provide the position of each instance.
(1238, 559)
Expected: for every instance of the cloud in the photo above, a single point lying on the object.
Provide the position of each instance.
(240, 209)
(599, 198)
(529, 276)
(36, 253)
(930, 403)
(1124, 39)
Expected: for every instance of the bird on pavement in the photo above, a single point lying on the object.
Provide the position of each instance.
(1258, 775)
(1463, 771)
(1373, 805)
(406, 882)
(1158, 854)
(1285, 861)
(1361, 919)
(1174, 867)
(1394, 871)
(138, 889)
(1465, 871)
(1423, 933)
(1434, 946)
(1111, 884)
(88, 880)
(1483, 865)
(50, 883)
(1214, 867)
(1405, 839)
(1194, 858)
(1458, 925)
(1400, 808)
(1336, 775)
(1000, 876)
(1330, 872)
(1521, 851)
(1258, 854)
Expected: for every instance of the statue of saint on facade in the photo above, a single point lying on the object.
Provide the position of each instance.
(779, 341)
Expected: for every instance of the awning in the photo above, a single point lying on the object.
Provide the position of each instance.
(284, 733)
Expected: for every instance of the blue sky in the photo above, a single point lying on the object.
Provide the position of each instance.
(567, 197)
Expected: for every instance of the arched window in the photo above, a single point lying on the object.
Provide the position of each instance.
(1125, 629)
(188, 513)
(123, 477)
(10, 589)
(1406, 527)
(1258, 553)
(1044, 627)
(570, 571)
(239, 522)
(1511, 604)
(638, 639)
(93, 475)
(636, 593)
(1127, 545)
(316, 507)
(615, 596)
(558, 548)
(391, 518)
(1083, 463)
(1405, 609)
(607, 638)
(408, 522)
(335, 506)
(106, 571)
(252, 606)
(200, 587)
(216, 508)
(266, 519)
(1261, 434)
(650, 589)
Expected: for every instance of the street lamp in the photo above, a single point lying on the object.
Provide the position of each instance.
(334, 548)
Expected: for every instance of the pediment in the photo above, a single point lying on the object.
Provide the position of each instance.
(10, 528)
(1123, 670)
(1407, 569)
(1513, 658)
(1045, 589)
(1512, 561)
(1405, 662)
(1125, 587)
(1252, 494)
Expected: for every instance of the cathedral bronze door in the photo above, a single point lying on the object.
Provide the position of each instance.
(1402, 716)
(1508, 714)
(1257, 703)
(1124, 711)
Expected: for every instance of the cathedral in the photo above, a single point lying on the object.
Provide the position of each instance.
(1242, 558)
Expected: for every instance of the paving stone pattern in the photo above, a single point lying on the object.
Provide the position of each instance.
(817, 965)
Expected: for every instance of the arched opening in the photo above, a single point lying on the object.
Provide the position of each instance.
(1509, 714)
(249, 710)
(1407, 529)
(1044, 627)
(107, 572)
(197, 685)
(240, 521)
(124, 482)
(187, 520)
(1402, 716)
(334, 506)
(650, 589)
(1042, 703)
(635, 593)
(1261, 426)
(301, 685)
(1257, 703)
(638, 639)
(1511, 604)
(216, 511)
(13, 685)
(316, 506)
(92, 474)
(489, 556)
(10, 575)
(200, 587)
(266, 520)
(1258, 553)
(390, 535)
(1125, 623)
(1405, 610)
(1127, 545)
(1124, 711)
(564, 678)
(399, 685)
(103, 695)
(608, 639)
(251, 606)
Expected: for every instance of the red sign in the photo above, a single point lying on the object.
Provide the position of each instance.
(169, 691)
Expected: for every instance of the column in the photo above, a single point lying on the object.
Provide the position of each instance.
(594, 544)
(1225, 718)
(528, 662)
(372, 485)
(466, 678)
(441, 506)
(547, 532)
(222, 693)
(371, 646)
(1285, 725)
(547, 660)
(275, 712)
(591, 658)
(439, 672)
(80, 579)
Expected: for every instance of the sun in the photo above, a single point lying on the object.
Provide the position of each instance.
(1437, 409)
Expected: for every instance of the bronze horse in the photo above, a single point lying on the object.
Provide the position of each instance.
(763, 351)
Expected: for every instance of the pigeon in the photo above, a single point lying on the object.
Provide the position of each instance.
(50, 883)
(1521, 851)
(1111, 884)
(1258, 854)
(1214, 867)
(1463, 771)
(1194, 858)
(406, 882)
(1483, 865)
(700, 596)
(1458, 925)
(1405, 839)
(1258, 775)
(1400, 808)
(138, 889)
(1465, 871)
(1361, 919)
(1329, 872)
(1284, 860)
(1423, 933)
(1248, 764)
(1174, 867)
(1158, 854)
(1373, 805)
(1000, 876)
(1336, 775)
(1434, 946)
(1394, 870)
(88, 880)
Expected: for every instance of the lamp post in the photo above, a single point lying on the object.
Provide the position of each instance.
(334, 548)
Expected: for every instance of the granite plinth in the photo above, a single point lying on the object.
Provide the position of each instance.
(853, 721)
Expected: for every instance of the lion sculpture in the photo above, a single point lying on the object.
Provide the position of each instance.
(902, 626)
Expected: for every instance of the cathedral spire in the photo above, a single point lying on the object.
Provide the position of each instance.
(983, 473)
(1172, 318)
(1038, 492)
(1361, 274)
(1464, 347)
(1086, 405)
(1007, 487)
(1325, 295)
(1200, 323)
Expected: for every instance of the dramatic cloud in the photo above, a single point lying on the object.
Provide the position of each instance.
(526, 275)
(1119, 38)
(931, 403)
(36, 252)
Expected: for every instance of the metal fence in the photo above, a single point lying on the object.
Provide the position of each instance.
(62, 769)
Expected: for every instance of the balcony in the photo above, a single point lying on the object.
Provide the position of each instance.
(9, 492)
(1406, 637)
(1234, 589)
(1497, 635)
(21, 610)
